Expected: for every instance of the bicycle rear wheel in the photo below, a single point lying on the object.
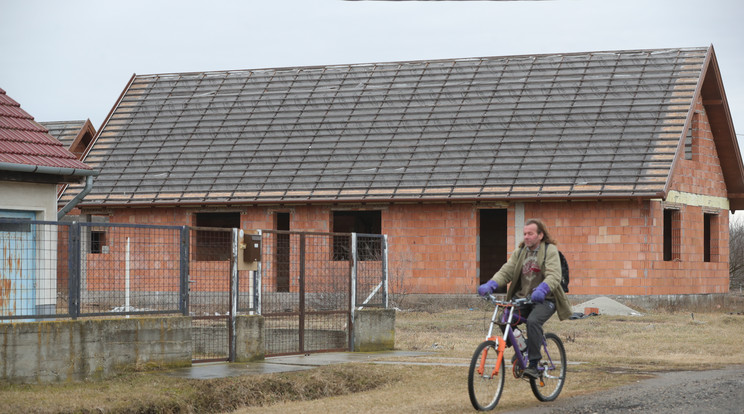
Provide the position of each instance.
(484, 387)
(550, 383)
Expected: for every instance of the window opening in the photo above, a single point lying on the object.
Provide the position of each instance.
(362, 222)
(710, 237)
(688, 144)
(672, 239)
(213, 245)
(97, 241)
(24, 226)
(690, 140)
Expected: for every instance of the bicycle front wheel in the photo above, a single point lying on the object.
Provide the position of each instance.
(553, 375)
(484, 386)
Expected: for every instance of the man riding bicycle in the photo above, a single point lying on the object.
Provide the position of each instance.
(525, 276)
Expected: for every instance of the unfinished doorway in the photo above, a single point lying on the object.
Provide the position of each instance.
(492, 238)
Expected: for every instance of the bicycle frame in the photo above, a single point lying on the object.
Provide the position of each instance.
(510, 321)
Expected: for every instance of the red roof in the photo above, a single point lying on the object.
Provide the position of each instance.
(24, 141)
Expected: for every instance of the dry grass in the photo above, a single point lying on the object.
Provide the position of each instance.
(609, 351)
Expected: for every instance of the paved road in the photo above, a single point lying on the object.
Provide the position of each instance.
(686, 392)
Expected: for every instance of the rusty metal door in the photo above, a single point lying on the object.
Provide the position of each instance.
(18, 280)
(305, 292)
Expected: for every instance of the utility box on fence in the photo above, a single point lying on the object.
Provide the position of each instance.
(250, 253)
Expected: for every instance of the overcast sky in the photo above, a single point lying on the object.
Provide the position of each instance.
(71, 59)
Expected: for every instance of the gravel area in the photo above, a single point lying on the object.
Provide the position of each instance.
(686, 392)
(606, 306)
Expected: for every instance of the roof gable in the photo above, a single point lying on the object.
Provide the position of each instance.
(722, 127)
(76, 136)
(28, 152)
(565, 126)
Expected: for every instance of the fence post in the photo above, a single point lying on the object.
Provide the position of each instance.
(353, 285)
(74, 266)
(257, 278)
(233, 293)
(302, 293)
(354, 259)
(184, 272)
(385, 292)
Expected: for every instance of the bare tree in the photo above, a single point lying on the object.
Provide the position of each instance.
(736, 255)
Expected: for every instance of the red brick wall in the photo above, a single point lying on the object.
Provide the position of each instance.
(432, 247)
(702, 174)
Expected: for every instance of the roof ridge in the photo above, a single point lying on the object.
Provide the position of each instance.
(462, 59)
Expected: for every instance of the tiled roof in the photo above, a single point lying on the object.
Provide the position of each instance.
(603, 124)
(74, 135)
(25, 142)
(64, 131)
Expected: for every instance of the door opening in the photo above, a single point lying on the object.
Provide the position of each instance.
(493, 239)
(282, 253)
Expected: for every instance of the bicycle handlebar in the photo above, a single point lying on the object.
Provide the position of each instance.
(514, 302)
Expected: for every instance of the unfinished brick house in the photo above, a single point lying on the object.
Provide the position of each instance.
(629, 156)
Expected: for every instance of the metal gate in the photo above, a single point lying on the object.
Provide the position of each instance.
(309, 287)
(217, 290)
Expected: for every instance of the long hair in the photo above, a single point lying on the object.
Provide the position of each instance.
(541, 228)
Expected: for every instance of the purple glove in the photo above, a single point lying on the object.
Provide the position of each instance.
(538, 295)
(488, 287)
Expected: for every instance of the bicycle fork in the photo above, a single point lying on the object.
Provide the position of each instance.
(499, 351)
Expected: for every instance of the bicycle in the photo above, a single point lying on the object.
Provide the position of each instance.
(487, 369)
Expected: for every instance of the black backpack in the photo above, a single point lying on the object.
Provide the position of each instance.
(564, 269)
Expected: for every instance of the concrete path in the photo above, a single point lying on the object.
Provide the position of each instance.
(287, 364)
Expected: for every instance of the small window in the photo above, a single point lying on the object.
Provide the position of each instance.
(672, 239)
(362, 222)
(710, 237)
(15, 226)
(97, 241)
(688, 144)
(215, 245)
(691, 139)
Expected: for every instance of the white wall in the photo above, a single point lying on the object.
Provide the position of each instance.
(41, 198)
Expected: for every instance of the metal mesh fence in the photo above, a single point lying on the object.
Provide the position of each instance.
(307, 289)
(71, 269)
(129, 269)
(309, 281)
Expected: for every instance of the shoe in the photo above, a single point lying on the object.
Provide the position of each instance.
(531, 372)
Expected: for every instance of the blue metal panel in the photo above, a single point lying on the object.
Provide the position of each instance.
(17, 270)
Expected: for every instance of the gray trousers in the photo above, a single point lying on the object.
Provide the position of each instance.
(539, 314)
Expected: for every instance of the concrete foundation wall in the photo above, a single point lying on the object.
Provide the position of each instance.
(374, 330)
(58, 351)
(249, 338)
